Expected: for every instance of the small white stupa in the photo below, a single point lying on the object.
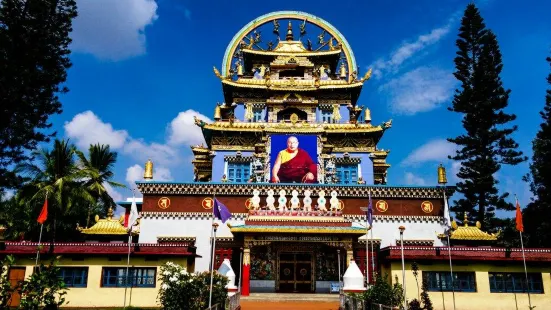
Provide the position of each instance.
(226, 270)
(353, 279)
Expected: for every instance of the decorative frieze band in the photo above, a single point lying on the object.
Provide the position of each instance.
(187, 215)
(245, 189)
(397, 218)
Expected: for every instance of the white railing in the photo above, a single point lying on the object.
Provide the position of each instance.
(232, 303)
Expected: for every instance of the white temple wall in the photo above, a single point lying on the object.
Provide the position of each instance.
(199, 227)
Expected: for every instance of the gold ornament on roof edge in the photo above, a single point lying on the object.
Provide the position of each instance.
(442, 175)
(148, 172)
(294, 118)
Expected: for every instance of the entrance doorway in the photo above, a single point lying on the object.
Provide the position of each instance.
(16, 275)
(295, 272)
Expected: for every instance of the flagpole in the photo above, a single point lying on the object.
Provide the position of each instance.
(129, 249)
(211, 266)
(520, 228)
(449, 247)
(372, 257)
(214, 228)
(40, 235)
(38, 249)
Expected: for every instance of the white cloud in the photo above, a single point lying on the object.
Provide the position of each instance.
(86, 128)
(7, 194)
(419, 90)
(409, 49)
(158, 153)
(434, 150)
(182, 129)
(412, 179)
(113, 192)
(112, 29)
(135, 173)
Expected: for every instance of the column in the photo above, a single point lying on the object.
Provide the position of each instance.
(245, 286)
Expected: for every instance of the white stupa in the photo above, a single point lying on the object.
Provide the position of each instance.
(353, 279)
(226, 270)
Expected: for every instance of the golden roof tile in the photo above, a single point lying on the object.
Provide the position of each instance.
(107, 226)
(467, 232)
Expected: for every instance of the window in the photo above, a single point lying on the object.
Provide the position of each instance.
(74, 276)
(440, 281)
(137, 277)
(239, 172)
(326, 116)
(257, 115)
(504, 282)
(347, 174)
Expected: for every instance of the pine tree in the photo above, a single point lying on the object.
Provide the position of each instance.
(486, 143)
(34, 58)
(535, 215)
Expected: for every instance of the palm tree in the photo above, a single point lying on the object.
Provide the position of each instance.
(55, 175)
(98, 168)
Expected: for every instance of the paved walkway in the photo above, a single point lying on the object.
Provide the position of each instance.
(295, 305)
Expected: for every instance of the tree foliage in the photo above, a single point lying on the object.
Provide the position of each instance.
(486, 144)
(34, 58)
(384, 292)
(539, 231)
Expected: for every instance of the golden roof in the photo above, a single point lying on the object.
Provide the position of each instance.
(467, 232)
(293, 48)
(302, 127)
(107, 226)
(292, 84)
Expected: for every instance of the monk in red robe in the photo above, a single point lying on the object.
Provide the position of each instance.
(294, 165)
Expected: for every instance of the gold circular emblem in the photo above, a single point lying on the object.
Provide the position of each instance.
(207, 203)
(381, 206)
(248, 203)
(341, 205)
(163, 202)
(286, 271)
(427, 206)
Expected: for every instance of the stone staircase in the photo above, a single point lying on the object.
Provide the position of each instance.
(283, 297)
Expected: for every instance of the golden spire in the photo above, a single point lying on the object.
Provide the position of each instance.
(110, 213)
(442, 180)
(367, 117)
(465, 220)
(290, 36)
(343, 71)
(217, 113)
(148, 173)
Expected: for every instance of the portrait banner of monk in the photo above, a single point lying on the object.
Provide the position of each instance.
(293, 159)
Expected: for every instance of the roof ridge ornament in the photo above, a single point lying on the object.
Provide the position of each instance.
(290, 36)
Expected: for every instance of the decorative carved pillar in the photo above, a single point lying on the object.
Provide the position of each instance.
(245, 287)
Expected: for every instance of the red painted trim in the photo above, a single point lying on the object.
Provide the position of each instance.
(246, 286)
(139, 249)
(465, 253)
(354, 291)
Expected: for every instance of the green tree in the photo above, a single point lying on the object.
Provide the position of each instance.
(537, 229)
(56, 175)
(486, 144)
(34, 58)
(43, 289)
(98, 168)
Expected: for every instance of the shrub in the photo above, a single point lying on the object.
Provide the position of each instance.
(183, 290)
(43, 288)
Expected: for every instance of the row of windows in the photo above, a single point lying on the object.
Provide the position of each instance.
(240, 173)
(326, 116)
(111, 277)
(500, 282)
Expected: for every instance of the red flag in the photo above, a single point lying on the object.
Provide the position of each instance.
(44, 213)
(520, 226)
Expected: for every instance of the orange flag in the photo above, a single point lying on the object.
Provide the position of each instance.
(520, 226)
(44, 213)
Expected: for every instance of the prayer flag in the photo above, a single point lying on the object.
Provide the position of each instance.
(133, 214)
(44, 213)
(221, 212)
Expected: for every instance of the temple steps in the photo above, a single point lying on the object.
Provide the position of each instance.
(282, 297)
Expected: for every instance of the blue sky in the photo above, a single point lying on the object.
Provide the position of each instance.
(143, 68)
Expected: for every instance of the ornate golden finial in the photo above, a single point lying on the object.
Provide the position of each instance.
(217, 113)
(465, 220)
(148, 173)
(342, 71)
(239, 68)
(367, 116)
(367, 76)
(442, 180)
(110, 213)
(290, 36)
(336, 112)
(217, 73)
